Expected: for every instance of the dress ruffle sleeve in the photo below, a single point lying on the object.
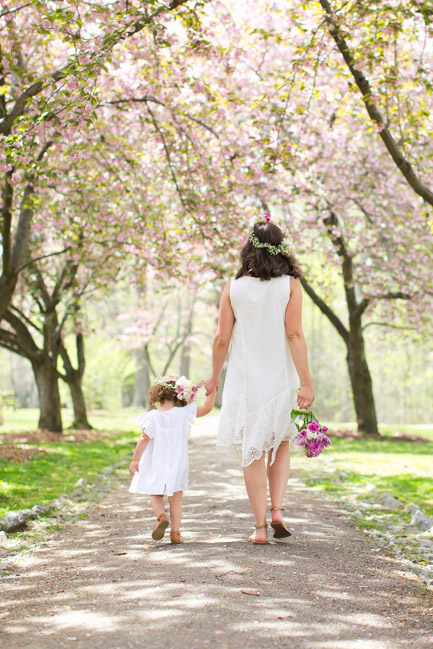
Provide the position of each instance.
(146, 421)
(190, 413)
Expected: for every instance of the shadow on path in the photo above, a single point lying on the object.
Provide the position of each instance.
(103, 583)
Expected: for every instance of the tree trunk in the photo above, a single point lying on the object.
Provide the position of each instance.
(362, 385)
(7, 288)
(185, 355)
(1, 395)
(185, 360)
(78, 403)
(50, 417)
(359, 373)
(74, 378)
(141, 380)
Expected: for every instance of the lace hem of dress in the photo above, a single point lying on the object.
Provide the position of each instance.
(262, 431)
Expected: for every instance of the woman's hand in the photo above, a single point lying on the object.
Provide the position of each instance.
(133, 467)
(305, 396)
(211, 384)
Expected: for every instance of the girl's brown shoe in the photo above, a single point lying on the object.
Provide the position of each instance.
(160, 527)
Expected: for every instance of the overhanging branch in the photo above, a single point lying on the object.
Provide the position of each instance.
(364, 86)
(326, 310)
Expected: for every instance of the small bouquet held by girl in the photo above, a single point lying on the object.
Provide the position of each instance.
(311, 435)
(160, 463)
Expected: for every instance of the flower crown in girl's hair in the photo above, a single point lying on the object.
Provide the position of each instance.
(184, 388)
(286, 247)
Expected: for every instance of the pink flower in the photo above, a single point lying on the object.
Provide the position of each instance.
(323, 440)
(301, 438)
(313, 426)
(324, 429)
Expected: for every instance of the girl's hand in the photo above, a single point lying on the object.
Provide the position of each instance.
(133, 467)
(211, 384)
(305, 396)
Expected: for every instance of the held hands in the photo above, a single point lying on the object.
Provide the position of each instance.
(305, 396)
(211, 384)
(133, 467)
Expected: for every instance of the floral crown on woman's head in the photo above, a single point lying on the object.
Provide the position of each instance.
(286, 247)
(184, 388)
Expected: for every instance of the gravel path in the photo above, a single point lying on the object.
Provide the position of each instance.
(103, 583)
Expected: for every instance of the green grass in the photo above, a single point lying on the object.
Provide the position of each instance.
(56, 470)
(47, 475)
(389, 430)
(26, 419)
(401, 468)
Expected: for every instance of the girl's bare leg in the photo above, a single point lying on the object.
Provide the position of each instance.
(175, 502)
(256, 484)
(158, 505)
(278, 475)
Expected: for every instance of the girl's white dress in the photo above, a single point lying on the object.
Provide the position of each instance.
(260, 386)
(164, 465)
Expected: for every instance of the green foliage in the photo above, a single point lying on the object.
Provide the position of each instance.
(108, 367)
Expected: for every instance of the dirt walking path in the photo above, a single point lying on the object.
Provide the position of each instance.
(102, 583)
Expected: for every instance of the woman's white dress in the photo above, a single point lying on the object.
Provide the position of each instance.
(260, 385)
(164, 464)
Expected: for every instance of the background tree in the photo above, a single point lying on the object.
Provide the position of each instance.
(48, 70)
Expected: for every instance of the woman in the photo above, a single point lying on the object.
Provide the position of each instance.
(261, 315)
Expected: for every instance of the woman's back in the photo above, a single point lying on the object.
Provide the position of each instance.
(259, 390)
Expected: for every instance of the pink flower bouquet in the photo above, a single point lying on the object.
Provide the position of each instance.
(311, 435)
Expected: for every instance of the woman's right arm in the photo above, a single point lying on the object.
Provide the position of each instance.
(226, 321)
(297, 344)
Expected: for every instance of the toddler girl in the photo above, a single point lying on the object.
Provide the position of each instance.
(160, 461)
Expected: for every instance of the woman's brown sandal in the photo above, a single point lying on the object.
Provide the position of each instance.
(252, 539)
(175, 537)
(279, 527)
(160, 527)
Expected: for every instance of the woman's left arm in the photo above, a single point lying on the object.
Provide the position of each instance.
(226, 321)
(297, 344)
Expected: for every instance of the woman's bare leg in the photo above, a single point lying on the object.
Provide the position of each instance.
(158, 505)
(256, 484)
(175, 502)
(278, 475)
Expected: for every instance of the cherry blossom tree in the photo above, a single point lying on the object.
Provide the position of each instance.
(49, 64)
(173, 127)
(379, 52)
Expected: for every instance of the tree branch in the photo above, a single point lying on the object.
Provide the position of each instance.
(136, 26)
(51, 254)
(397, 295)
(331, 222)
(326, 310)
(7, 224)
(25, 217)
(364, 86)
(361, 307)
(140, 24)
(25, 318)
(23, 336)
(386, 324)
(146, 98)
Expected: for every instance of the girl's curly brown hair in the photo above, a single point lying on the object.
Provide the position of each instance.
(159, 393)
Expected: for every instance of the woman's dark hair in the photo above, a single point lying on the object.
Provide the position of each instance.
(259, 262)
(159, 393)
